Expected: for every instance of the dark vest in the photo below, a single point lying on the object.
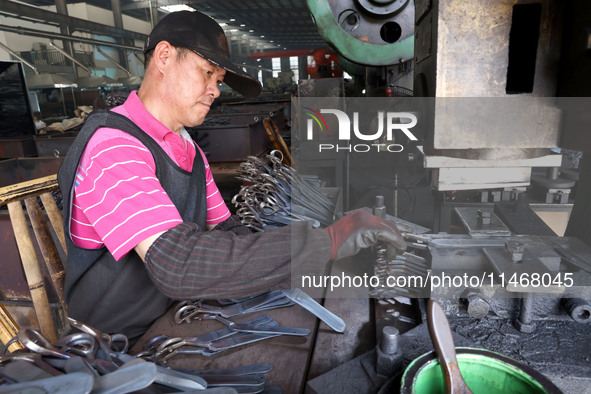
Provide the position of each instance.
(119, 296)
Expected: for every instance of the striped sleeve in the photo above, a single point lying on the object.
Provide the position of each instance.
(121, 197)
(186, 263)
(217, 211)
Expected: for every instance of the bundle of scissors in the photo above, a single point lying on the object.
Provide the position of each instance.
(275, 195)
(188, 310)
(162, 348)
(89, 361)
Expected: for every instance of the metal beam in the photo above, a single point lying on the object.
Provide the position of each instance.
(62, 9)
(40, 33)
(118, 19)
(113, 61)
(66, 54)
(16, 55)
(20, 9)
(147, 4)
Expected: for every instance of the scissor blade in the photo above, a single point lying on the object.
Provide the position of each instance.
(179, 380)
(244, 306)
(308, 303)
(233, 380)
(126, 380)
(233, 371)
(77, 383)
(271, 330)
(209, 337)
(239, 339)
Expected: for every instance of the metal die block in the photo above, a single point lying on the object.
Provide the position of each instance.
(503, 264)
(459, 123)
(477, 226)
(480, 178)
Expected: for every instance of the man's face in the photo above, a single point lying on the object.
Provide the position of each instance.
(192, 86)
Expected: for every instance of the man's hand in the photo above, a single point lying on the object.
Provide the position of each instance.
(361, 230)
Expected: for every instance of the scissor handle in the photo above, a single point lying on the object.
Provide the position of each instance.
(37, 343)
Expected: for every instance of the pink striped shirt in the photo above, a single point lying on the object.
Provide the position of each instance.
(118, 201)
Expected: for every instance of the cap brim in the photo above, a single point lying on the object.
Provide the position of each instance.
(235, 77)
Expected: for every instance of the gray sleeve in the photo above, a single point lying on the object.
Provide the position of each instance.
(186, 263)
(234, 225)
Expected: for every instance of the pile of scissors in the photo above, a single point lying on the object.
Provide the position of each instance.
(188, 310)
(275, 195)
(162, 348)
(89, 361)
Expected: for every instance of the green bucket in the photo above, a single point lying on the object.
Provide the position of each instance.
(484, 371)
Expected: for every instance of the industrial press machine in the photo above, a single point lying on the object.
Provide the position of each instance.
(499, 95)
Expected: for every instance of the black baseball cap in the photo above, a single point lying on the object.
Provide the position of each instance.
(204, 36)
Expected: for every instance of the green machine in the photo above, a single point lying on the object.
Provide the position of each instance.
(366, 33)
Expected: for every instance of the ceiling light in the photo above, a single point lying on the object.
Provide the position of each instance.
(250, 31)
(242, 25)
(223, 24)
(232, 20)
(176, 7)
(262, 36)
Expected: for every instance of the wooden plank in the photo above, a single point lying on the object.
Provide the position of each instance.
(51, 256)
(289, 355)
(8, 330)
(35, 187)
(55, 217)
(32, 271)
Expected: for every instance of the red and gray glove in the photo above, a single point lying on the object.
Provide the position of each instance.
(361, 230)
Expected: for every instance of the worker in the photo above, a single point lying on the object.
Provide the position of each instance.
(145, 221)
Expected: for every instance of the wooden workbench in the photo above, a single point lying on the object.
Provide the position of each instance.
(295, 360)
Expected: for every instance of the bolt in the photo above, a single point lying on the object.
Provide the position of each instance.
(578, 309)
(516, 249)
(482, 217)
(389, 358)
(379, 209)
(524, 322)
(389, 343)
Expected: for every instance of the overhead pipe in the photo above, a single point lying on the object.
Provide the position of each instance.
(13, 53)
(39, 33)
(66, 54)
(21, 10)
(113, 61)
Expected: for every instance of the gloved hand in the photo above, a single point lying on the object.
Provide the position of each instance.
(360, 230)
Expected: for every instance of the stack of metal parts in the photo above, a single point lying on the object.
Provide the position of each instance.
(276, 195)
(91, 361)
(403, 276)
(400, 275)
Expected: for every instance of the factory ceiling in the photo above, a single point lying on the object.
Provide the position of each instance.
(252, 25)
